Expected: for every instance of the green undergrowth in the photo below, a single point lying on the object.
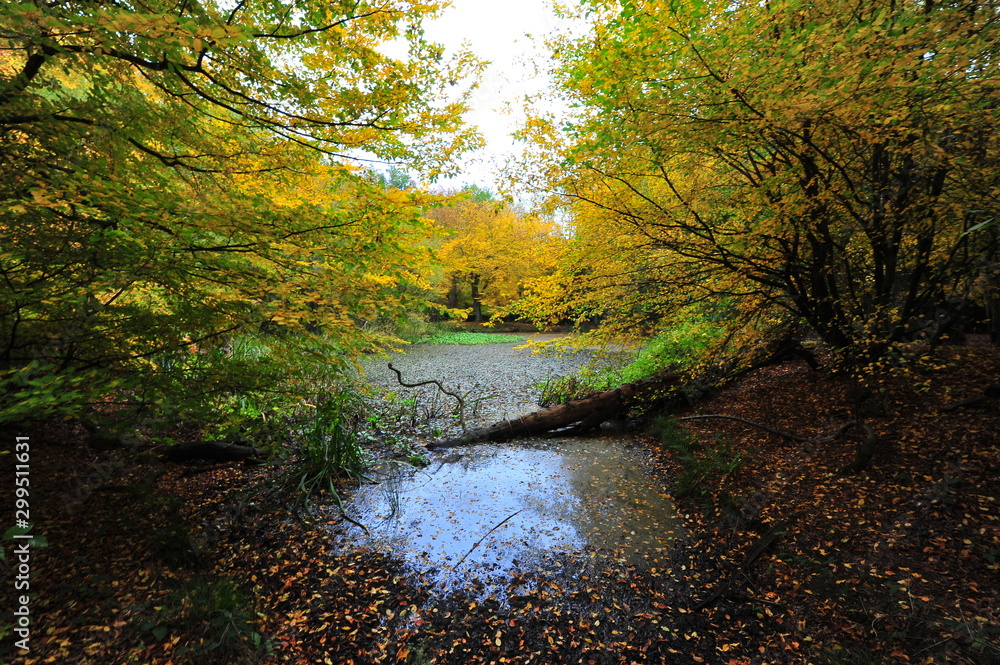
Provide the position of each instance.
(329, 448)
(215, 619)
(701, 462)
(680, 346)
(471, 338)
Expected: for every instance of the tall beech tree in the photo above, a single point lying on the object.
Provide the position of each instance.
(491, 251)
(175, 175)
(835, 161)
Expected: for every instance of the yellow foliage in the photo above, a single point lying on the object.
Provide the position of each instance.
(492, 248)
(837, 162)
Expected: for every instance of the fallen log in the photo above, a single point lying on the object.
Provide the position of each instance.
(664, 392)
(581, 414)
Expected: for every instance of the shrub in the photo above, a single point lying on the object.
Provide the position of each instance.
(329, 448)
(680, 346)
(216, 620)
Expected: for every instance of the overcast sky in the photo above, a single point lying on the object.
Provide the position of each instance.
(495, 31)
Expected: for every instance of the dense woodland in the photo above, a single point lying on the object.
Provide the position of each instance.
(210, 212)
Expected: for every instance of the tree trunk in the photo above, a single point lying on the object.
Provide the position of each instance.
(659, 392)
(991, 294)
(453, 293)
(993, 312)
(477, 303)
(865, 452)
(586, 414)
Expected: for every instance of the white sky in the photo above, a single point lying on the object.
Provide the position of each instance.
(495, 31)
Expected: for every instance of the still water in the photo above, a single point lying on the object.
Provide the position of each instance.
(484, 512)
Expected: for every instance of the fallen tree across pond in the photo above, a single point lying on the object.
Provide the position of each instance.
(581, 414)
(662, 392)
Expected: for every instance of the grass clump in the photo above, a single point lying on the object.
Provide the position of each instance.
(471, 338)
(419, 461)
(329, 448)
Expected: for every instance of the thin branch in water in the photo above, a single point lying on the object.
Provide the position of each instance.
(458, 398)
(509, 517)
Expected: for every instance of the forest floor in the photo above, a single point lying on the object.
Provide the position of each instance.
(783, 558)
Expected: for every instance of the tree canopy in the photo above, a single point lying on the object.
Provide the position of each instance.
(834, 162)
(492, 250)
(175, 174)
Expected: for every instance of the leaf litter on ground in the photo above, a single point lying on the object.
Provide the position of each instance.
(897, 563)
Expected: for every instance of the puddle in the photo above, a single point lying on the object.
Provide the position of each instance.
(482, 513)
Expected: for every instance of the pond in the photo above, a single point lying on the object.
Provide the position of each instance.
(483, 513)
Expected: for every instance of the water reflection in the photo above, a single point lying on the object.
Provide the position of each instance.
(482, 511)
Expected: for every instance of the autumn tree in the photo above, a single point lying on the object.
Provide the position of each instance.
(491, 250)
(835, 162)
(174, 177)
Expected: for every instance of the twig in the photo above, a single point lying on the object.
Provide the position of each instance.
(936, 644)
(485, 535)
(458, 398)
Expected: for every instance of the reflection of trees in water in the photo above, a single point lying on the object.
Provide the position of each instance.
(622, 504)
(570, 496)
(476, 458)
(552, 497)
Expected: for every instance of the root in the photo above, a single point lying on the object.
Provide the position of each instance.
(861, 460)
(763, 543)
(788, 435)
